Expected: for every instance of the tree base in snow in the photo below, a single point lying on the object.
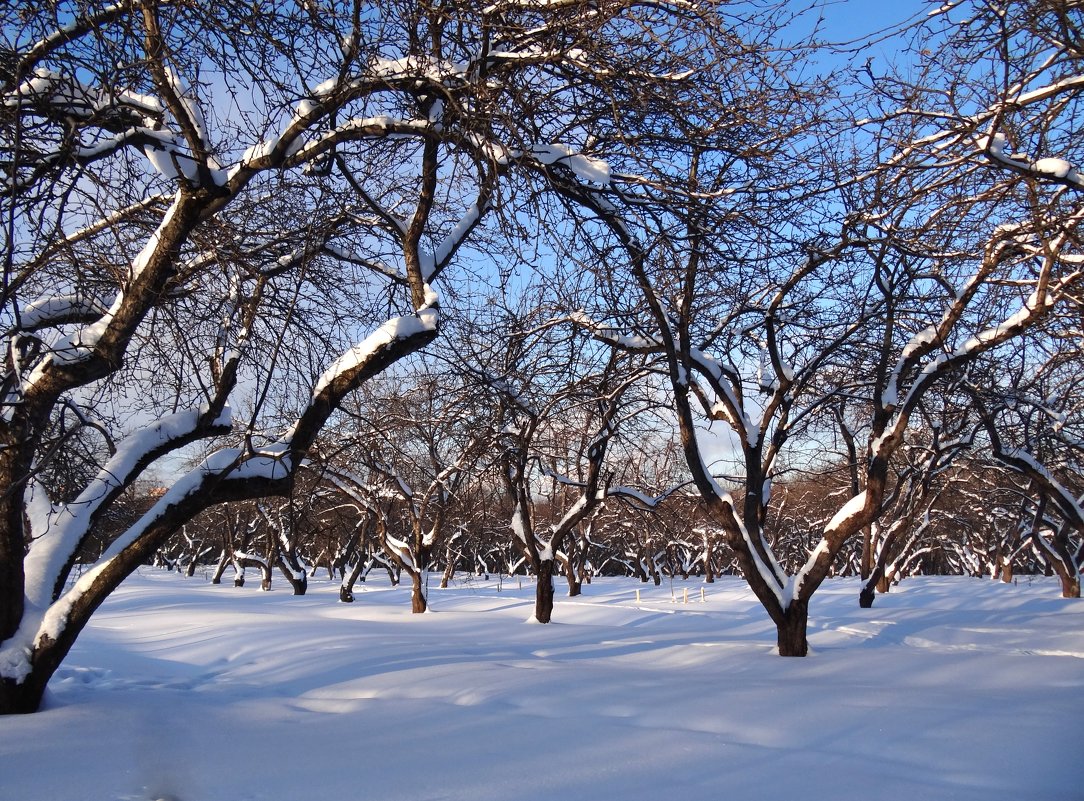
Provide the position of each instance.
(791, 630)
(20, 699)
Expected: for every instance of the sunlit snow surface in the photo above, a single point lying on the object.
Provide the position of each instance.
(949, 688)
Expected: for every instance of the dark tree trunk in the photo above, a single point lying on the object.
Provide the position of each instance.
(346, 591)
(220, 568)
(298, 578)
(791, 630)
(866, 596)
(873, 584)
(22, 699)
(573, 569)
(543, 594)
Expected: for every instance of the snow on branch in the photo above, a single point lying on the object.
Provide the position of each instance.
(1050, 169)
(80, 345)
(611, 336)
(396, 329)
(58, 531)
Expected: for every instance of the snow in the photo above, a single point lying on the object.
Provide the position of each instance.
(1059, 168)
(949, 688)
(584, 167)
(79, 345)
(51, 309)
(395, 329)
(59, 530)
(850, 509)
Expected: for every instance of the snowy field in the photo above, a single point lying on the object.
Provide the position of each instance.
(950, 688)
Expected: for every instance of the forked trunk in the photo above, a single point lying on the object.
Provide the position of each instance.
(449, 568)
(791, 630)
(220, 568)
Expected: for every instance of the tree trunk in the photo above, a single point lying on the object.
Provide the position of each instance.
(418, 602)
(866, 596)
(543, 594)
(1070, 584)
(220, 568)
(791, 630)
(22, 699)
(346, 589)
(449, 568)
(1006, 572)
(866, 566)
(292, 572)
(572, 570)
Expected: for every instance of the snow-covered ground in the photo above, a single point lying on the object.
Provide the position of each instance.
(949, 688)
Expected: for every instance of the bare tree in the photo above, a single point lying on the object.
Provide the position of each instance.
(946, 250)
(256, 185)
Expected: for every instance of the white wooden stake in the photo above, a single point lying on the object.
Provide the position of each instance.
(637, 597)
(701, 595)
(686, 598)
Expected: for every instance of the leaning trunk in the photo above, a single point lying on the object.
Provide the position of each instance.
(867, 594)
(24, 698)
(876, 582)
(346, 589)
(572, 571)
(1070, 584)
(449, 568)
(220, 568)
